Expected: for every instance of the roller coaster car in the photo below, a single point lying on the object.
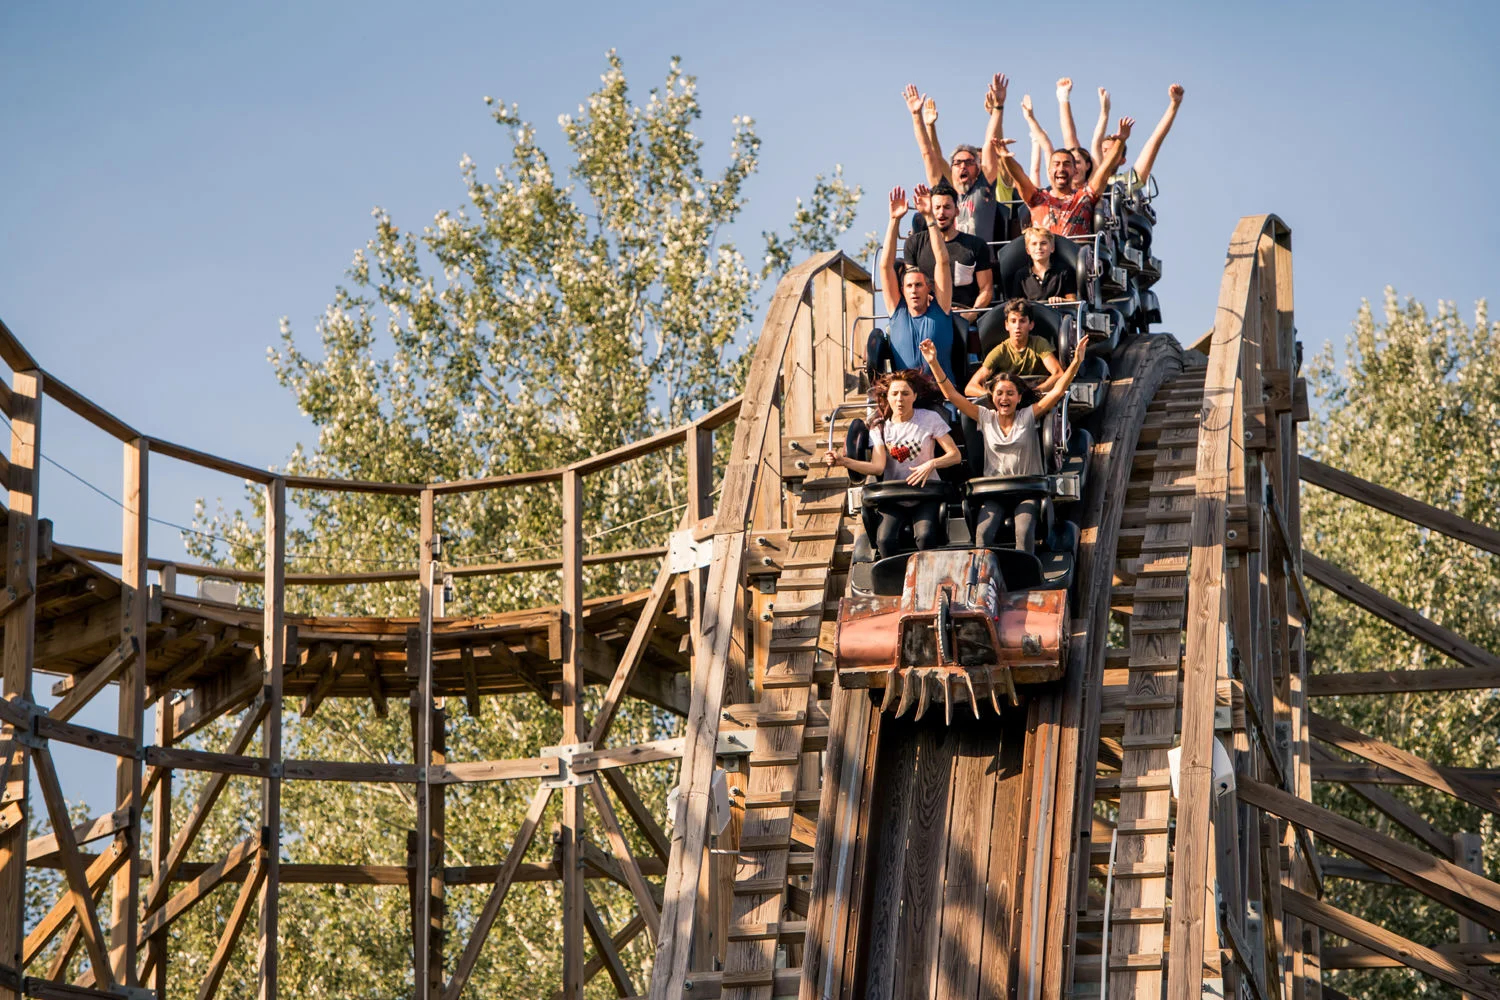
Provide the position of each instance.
(976, 621)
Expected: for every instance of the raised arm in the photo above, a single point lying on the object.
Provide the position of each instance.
(1054, 372)
(1065, 112)
(1147, 159)
(932, 160)
(1060, 388)
(929, 123)
(1023, 185)
(942, 270)
(994, 103)
(960, 402)
(890, 285)
(1096, 145)
(1114, 155)
(1041, 145)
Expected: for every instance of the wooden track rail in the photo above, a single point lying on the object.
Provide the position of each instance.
(1092, 844)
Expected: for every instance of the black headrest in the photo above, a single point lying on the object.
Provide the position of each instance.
(1011, 261)
(1048, 321)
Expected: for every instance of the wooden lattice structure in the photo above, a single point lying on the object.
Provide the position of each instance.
(1042, 854)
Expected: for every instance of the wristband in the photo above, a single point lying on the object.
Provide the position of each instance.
(1062, 96)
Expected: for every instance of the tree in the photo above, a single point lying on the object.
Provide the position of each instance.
(1416, 408)
(544, 321)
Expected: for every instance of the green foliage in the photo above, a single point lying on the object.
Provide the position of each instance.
(1416, 408)
(548, 319)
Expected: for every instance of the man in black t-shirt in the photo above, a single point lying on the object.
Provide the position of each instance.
(1047, 278)
(972, 262)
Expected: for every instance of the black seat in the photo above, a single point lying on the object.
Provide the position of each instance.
(1012, 261)
(1055, 324)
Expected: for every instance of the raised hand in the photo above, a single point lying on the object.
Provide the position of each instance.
(913, 99)
(929, 352)
(1104, 100)
(1026, 107)
(1002, 147)
(898, 203)
(922, 196)
(1175, 93)
(1064, 88)
(998, 87)
(1126, 124)
(929, 112)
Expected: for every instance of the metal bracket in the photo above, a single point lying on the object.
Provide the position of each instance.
(134, 993)
(1223, 718)
(686, 554)
(735, 742)
(1066, 486)
(567, 778)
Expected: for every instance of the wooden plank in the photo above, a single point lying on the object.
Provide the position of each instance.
(238, 915)
(1433, 776)
(1418, 513)
(1410, 954)
(1404, 618)
(964, 875)
(639, 813)
(199, 886)
(94, 681)
(43, 850)
(486, 919)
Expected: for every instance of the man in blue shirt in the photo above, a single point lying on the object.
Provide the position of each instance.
(919, 306)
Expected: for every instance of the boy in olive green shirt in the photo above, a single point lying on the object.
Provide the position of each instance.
(1019, 354)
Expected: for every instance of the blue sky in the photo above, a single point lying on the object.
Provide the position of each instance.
(179, 177)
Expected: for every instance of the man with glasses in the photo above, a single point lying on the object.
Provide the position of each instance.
(972, 170)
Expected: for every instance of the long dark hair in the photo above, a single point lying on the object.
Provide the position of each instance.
(1029, 396)
(922, 386)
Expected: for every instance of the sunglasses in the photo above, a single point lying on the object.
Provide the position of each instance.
(960, 161)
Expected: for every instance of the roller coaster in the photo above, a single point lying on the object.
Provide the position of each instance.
(1115, 799)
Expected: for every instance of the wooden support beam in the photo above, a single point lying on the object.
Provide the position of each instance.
(1397, 614)
(1433, 776)
(77, 894)
(16, 657)
(419, 670)
(635, 651)
(639, 813)
(1441, 880)
(340, 662)
(200, 886)
(1418, 513)
(43, 850)
(276, 640)
(239, 914)
(1410, 954)
(607, 955)
(574, 729)
(88, 685)
(621, 849)
(1401, 681)
(1396, 809)
(65, 909)
(1474, 955)
(158, 792)
(486, 919)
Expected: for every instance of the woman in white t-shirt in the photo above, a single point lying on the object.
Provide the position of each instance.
(906, 445)
(1012, 446)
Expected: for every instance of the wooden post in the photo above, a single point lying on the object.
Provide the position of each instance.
(275, 643)
(161, 844)
(134, 603)
(1468, 852)
(20, 639)
(573, 732)
(419, 662)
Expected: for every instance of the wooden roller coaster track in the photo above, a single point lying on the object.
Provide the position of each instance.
(1053, 851)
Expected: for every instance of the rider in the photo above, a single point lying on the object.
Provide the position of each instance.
(1021, 353)
(1012, 446)
(904, 446)
(973, 172)
(918, 305)
(1067, 209)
